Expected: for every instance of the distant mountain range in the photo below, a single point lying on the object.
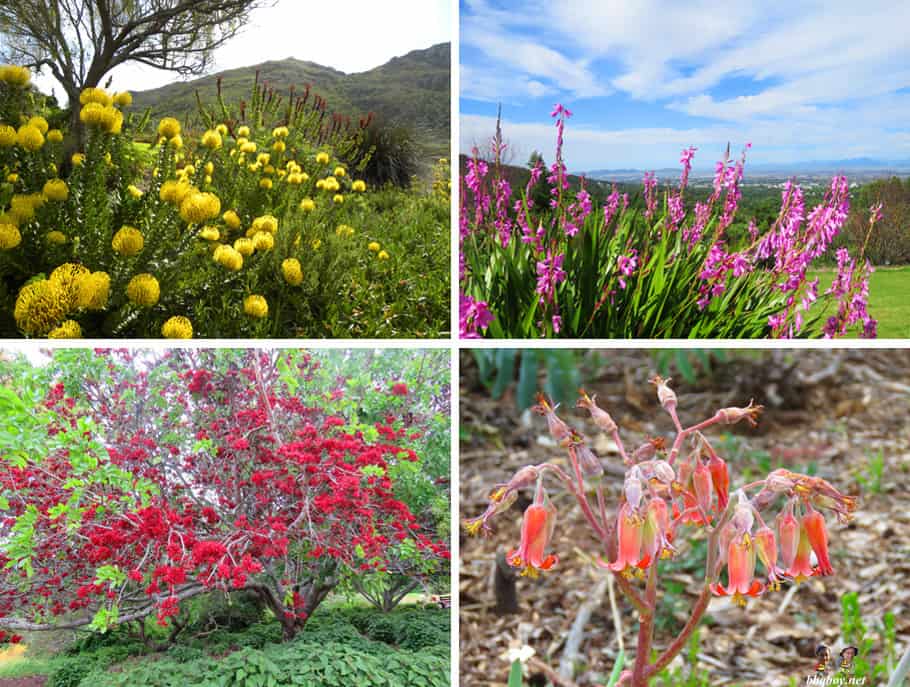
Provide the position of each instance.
(867, 164)
(411, 90)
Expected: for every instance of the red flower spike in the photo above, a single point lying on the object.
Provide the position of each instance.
(740, 571)
(536, 530)
(720, 478)
(814, 525)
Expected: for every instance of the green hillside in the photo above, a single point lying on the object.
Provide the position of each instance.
(411, 90)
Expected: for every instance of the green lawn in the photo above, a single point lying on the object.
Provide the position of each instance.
(889, 299)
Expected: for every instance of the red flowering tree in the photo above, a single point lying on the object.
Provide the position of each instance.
(139, 480)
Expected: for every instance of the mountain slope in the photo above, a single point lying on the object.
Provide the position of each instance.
(411, 90)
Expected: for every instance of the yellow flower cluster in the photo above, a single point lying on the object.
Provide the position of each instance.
(128, 241)
(177, 327)
(70, 329)
(322, 158)
(55, 237)
(9, 236)
(307, 205)
(228, 257)
(211, 139)
(54, 136)
(169, 128)
(56, 189)
(359, 186)
(329, 184)
(15, 76)
(292, 272)
(373, 247)
(210, 233)
(30, 137)
(383, 255)
(123, 99)
(344, 230)
(24, 207)
(255, 306)
(143, 290)
(39, 123)
(95, 95)
(7, 136)
(42, 305)
(105, 117)
(231, 219)
(200, 207)
(267, 223)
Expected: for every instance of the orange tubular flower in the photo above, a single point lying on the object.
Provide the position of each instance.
(766, 547)
(629, 528)
(701, 480)
(814, 527)
(721, 480)
(788, 531)
(536, 530)
(801, 568)
(740, 571)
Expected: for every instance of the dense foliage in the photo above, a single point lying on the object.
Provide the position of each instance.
(654, 266)
(255, 227)
(133, 481)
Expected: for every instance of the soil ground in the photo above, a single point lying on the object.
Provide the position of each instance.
(833, 413)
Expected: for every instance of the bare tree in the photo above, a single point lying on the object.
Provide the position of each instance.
(80, 41)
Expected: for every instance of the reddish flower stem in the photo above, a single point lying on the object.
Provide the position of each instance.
(701, 605)
(645, 631)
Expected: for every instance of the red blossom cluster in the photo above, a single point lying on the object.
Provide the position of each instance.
(220, 480)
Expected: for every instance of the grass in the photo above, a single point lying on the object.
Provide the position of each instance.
(888, 302)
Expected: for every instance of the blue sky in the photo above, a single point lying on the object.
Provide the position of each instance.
(647, 78)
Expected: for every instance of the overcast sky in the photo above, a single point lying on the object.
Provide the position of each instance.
(800, 80)
(353, 36)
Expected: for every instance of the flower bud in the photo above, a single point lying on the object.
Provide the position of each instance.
(665, 394)
(601, 417)
(750, 413)
(788, 532)
(721, 480)
(701, 480)
(632, 488)
(559, 430)
(588, 462)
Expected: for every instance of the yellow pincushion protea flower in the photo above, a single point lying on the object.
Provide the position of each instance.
(123, 99)
(56, 189)
(338, 199)
(40, 307)
(177, 327)
(169, 128)
(330, 184)
(15, 76)
(78, 159)
(292, 272)
(322, 158)
(95, 95)
(58, 238)
(200, 207)
(373, 247)
(249, 147)
(280, 132)
(9, 236)
(244, 246)
(307, 205)
(39, 123)
(316, 243)
(128, 241)
(265, 184)
(263, 158)
(382, 255)
(232, 219)
(134, 191)
(279, 146)
(69, 276)
(339, 172)
(12, 178)
(359, 186)
(228, 257)
(93, 291)
(267, 223)
(222, 129)
(210, 233)
(243, 132)
(263, 240)
(211, 139)
(143, 290)
(54, 136)
(209, 168)
(344, 230)
(7, 136)
(256, 306)
(70, 329)
(23, 207)
(29, 138)
(176, 191)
